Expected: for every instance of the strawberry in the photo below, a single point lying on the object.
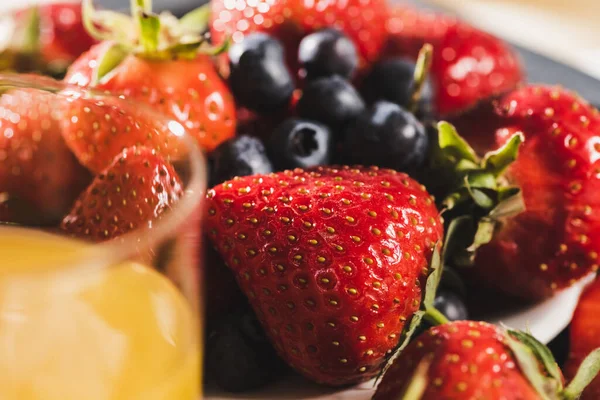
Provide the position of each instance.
(476, 360)
(136, 189)
(585, 336)
(222, 293)
(409, 29)
(49, 37)
(39, 177)
(469, 65)
(97, 129)
(554, 239)
(161, 64)
(290, 20)
(331, 259)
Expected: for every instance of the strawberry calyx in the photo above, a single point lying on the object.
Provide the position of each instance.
(476, 197)
(150, 35)
(530, 354)
(21, 48)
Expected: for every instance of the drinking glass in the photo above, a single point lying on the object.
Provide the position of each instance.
(119, 319)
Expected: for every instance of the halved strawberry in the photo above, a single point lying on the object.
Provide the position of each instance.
(39, 177)
(136, 189)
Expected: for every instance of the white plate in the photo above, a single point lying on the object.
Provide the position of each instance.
(544, 320)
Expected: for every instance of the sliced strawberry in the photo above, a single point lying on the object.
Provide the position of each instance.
(332, 260)
(136, 189)
(39, 177)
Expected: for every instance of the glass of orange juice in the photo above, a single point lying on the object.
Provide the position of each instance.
(99, 266)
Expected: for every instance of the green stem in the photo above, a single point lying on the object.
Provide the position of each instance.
(588, 370)
(434, 317)
(420, 76)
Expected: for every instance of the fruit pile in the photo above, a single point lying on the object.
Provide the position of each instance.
(354, 229)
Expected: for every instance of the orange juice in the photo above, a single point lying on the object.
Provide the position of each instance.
(68, 332)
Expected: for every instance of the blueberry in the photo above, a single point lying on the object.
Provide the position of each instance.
(299, 143)
(239, 357)
(392, 80)
(388, 136)
(259, 78)
(332, 101)
(327, 52)
(240, 156)
(451, 305)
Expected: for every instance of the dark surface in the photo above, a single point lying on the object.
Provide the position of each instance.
(539, 68)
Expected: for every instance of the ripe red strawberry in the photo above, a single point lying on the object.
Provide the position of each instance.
(98, 129)
(222, 293)
(469, 65)
(289, 20)
(409, 29)
(556, 240)
(585, 336)
(39, 177)
(63, 37)
(332, 261)
(46, 38)
(475, 360)
(138, 187)
(163, 70)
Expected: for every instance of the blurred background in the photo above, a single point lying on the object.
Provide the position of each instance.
(564, 30)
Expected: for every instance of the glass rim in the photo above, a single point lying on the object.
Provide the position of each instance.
(126, 246)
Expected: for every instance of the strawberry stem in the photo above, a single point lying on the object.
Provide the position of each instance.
(420, 76)
(434, 317)
(588, 370)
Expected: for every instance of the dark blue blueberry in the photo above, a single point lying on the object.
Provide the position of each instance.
(259, 78)
(392, 80)
(239, 357)
(240, 156)
(388, 136)
(451, 305)
(327, 52)
(332, 101)
(299, 143)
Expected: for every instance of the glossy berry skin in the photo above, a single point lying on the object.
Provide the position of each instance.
(239, 356)
(298, 143)
(39, 177)
(189, 91)
(410, 28)
(470, 66)
(392, 80)
(388, 136)
(291, 20)
(138, 187)
(471, 360)
(451, 305)
(327, 52)
(259, 78)
(556, 240)
(243, 155)
(332, 101)
(585, 336)
(332, 260)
